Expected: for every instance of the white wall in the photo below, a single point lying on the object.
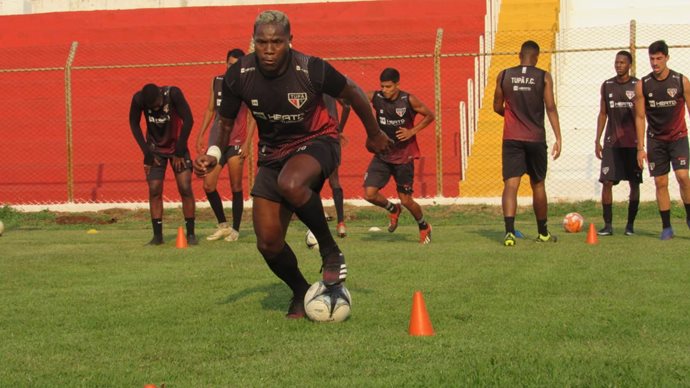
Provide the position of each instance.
(12, 7)
(578, 76)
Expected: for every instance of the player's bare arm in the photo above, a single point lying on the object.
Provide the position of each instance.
(135, 111)
(499, 99)
(377, 141)
(209, 113)
(601, 123)
(185, 113)
(344, 114)
(428, 117)
(552, 114)
(205, 163)
(639, 125)
(246, 146)
(370, 95)
(686, 92)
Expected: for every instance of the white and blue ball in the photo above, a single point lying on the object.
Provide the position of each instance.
(327, 304)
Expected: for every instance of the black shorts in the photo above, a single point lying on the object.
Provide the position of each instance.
(157, 173)
(661, 153)
(379, 172)
(231, 151)
(620, 164)
(520, 157)
(324, 149)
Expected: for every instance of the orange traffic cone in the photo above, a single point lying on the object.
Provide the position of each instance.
(420, 324)
(592, 235)
(181, 238)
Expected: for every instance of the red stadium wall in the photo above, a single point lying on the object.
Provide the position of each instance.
(107, 162)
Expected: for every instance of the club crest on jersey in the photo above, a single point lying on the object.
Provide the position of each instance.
(672, 91)
(630, 94)
(297, 99)
(400, 111)
(605, 170)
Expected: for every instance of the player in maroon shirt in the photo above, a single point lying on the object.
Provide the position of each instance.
(618, 155)
(396, 111)
(521, 94)
(234, 156)
(168, 125)
(298, 145)
(661, 98)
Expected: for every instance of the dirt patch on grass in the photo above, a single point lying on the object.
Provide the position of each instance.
(78, 219)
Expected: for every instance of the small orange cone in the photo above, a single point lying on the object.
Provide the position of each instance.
(592, 235)
(420, 324)
(181, 238)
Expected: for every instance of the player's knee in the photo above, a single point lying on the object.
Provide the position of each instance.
(287, 185)
(186, 191)
(683, 180)
(269, 247)
(407, 200)
(155, 190)
(370, 195)
(209, 187)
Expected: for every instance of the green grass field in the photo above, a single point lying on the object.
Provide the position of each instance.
(80, 309)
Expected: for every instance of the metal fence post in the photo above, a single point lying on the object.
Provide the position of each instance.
(438, 108)
(633, 43)
(68, 123)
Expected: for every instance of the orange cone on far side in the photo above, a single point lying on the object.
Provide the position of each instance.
(181, 238)
(592, 235)
(420, 324)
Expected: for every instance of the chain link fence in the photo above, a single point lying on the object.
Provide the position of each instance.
(66, 139)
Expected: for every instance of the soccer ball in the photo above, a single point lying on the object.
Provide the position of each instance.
(2, 228)
(310, 240)
(327, 304)
(573, 222)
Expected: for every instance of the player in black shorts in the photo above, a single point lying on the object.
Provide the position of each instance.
(298, 145)
(168, 125)
(661, 98)
(396, 111)
(234, 156)
(522, 96)
(619, 153)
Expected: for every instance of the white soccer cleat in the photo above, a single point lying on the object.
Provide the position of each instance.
(233, 235)
(223, 230)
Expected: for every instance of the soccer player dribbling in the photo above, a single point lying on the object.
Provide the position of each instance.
(234, 155)
(396, 110)
(298, 145)
(661, 98)
(168, 125)
(522, 94)
(618, 155)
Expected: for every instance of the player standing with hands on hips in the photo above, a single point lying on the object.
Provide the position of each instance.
(522, 93)
(298, 145)
(661, 97)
